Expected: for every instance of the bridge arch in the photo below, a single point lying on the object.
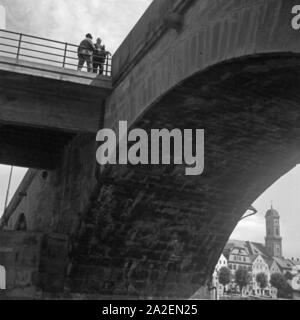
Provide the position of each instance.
(213, 32)
(222, 72)
(171, 229)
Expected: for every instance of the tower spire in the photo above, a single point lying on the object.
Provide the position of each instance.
(273, 238)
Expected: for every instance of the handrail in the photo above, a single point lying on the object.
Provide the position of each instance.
(34, 37)
(63, 54)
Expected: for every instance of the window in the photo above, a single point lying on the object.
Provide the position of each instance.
(2, 278)
(278, 249)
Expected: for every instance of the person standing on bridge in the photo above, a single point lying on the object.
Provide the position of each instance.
(86, 50)
(99, 58)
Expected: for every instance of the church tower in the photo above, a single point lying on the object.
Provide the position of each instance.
(273, 238)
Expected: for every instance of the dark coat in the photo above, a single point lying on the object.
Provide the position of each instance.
(86, 47)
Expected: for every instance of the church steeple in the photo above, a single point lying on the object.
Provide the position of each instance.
(273, 238)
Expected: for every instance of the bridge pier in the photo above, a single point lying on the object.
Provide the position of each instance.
(127, 247)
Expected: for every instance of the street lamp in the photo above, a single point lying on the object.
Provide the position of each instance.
(254, 212)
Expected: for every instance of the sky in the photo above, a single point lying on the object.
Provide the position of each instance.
(69, 21)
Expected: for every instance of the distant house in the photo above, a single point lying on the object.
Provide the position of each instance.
(215, 281)
(296, 268)
(274, 267)
(238, 257)
(221, 264)
(295, 282)
(285, 265)
(295, 286)
(260, 265)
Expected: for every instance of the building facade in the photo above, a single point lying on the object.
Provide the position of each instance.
(260, 265)
(239, 258)
(220, 289)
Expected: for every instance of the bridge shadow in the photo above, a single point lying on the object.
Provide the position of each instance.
(157, 232)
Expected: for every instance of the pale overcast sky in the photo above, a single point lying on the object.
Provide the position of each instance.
(69, 20)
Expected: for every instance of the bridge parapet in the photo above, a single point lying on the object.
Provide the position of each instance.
(147, 32)
(155, 58)
(41, 50)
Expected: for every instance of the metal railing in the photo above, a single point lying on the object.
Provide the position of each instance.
(36, 49)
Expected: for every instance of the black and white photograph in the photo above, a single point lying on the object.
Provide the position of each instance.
(149, 151)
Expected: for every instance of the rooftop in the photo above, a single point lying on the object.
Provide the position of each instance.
(272, 213)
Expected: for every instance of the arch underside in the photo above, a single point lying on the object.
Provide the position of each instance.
(154, 232)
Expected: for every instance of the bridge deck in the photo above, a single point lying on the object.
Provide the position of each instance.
(42, 70)
(44, 105)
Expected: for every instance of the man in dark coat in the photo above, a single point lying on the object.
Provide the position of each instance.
(86, 50)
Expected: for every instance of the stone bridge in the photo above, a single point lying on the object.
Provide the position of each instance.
(229, 67)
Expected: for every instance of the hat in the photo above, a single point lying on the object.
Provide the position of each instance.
(89, 36)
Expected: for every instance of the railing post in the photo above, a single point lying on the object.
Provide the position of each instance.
(106, 64)
(65, 55)
(19, 46)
